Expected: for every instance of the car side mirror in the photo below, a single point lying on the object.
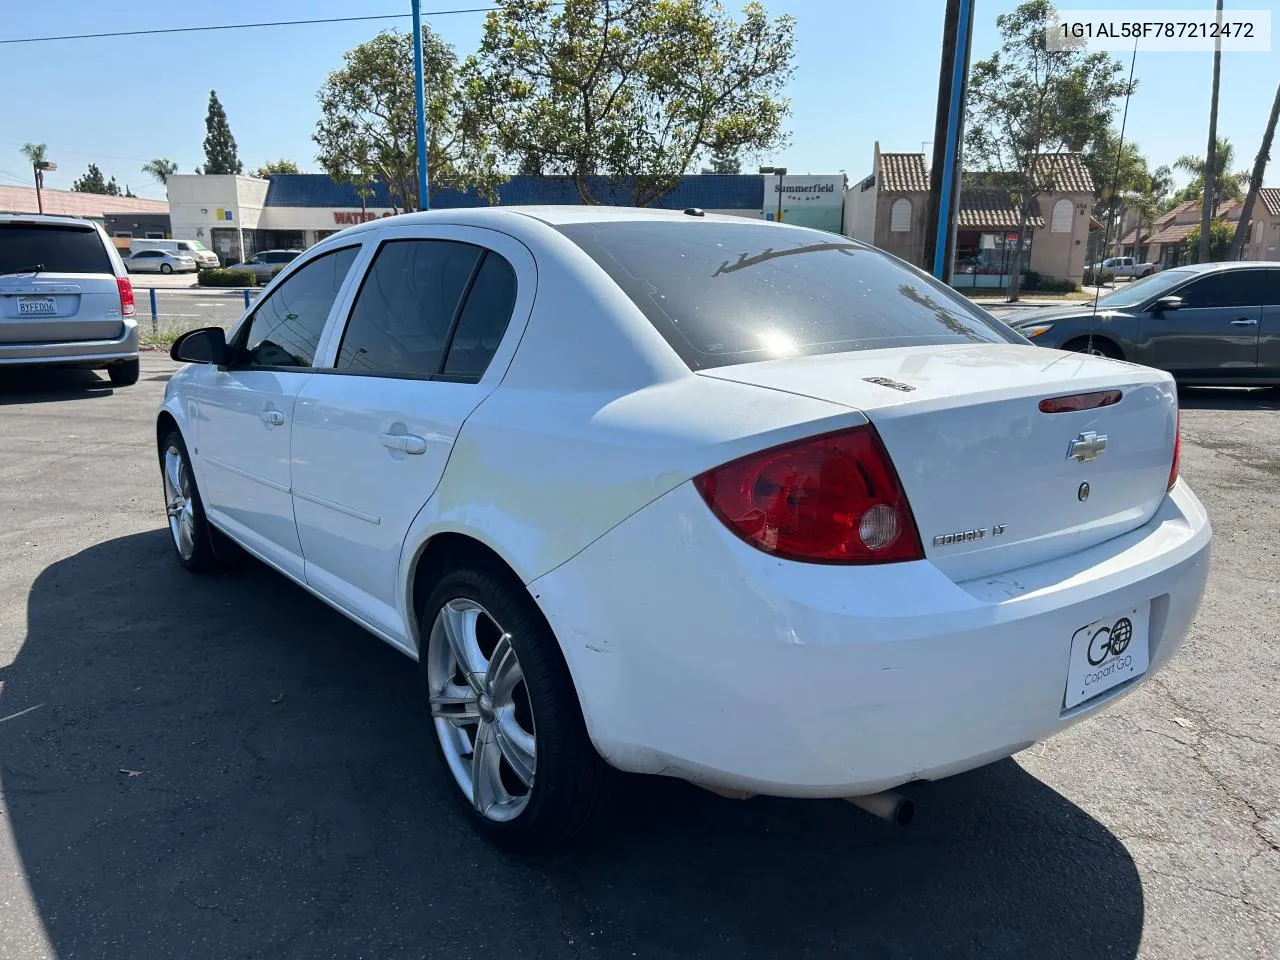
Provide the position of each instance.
(206, 345)
(1168, 303)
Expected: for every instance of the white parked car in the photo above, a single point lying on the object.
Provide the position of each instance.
(65, 297)
(193, 249)
(158, 261)
(748, 504)
(1127, 267)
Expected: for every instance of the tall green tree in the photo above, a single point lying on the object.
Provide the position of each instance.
(1255, 180)
(367, 129)
(1209, 201)
(1121, 181)
(276, 166)
(633, 89)
(1220, 234)
(1227, 185)
(1026, 100)
(160, 169)
(219, 145)
(725, 161)
(37, 155)
(93, 182)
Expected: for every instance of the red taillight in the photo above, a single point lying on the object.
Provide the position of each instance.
(127, 308)
(1177, 450)
(1080, 401)
(829, 499)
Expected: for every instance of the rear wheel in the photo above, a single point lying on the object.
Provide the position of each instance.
(1096, 346)
(165, 268)
(124, 373)
(504, 713)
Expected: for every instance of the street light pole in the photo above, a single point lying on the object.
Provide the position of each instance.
(781, 172)
(424, 199)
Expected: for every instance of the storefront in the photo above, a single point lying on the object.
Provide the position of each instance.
(237, 216)
(985, 259)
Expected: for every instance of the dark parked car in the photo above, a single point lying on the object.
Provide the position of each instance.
(1207, 323)
(268, 263)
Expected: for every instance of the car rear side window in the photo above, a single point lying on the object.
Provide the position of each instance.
(286, 325)
(724, 293)
(483, 320)
(402, 317)
(1227, 288)
(53, 247)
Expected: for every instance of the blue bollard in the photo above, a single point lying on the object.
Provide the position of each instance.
(246, 298)
(155, 321)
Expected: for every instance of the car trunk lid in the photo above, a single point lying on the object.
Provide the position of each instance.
(995, 483)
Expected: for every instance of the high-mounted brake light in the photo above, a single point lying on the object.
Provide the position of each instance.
(835, 498)
(127, 307)
(1177, 450)
(1080, 401)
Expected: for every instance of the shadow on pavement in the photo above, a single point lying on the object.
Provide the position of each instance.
(225, 767)
(1229, 398)
(36, 385)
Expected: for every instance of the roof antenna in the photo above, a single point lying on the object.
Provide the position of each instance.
(1115, 183)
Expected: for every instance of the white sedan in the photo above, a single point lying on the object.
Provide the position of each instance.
(159, 261)
(743, 503)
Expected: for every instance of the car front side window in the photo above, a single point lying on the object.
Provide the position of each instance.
(287, 324)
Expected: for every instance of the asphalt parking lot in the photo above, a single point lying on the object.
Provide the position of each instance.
(223, 767)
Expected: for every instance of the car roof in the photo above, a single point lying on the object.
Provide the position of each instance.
(1230, 265)
(49, 218)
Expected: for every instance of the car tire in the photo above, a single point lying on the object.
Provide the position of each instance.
(538, 780)
(1101, 347)
(196, 545)
(125, 373)
(165, 268)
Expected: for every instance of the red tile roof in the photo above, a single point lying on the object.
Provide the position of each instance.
(72, 204)
(1063, 173)
(903, 173)
(1270, 197)
(993, 209)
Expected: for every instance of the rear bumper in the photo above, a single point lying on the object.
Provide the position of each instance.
(76, 352)
(697, 656)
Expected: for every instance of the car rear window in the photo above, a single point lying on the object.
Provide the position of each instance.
(725, 293)
(57, 248)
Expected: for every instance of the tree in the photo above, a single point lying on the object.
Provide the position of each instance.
(1209, 202)
(367, 129)
(1227, 186)
(219, 145)
(1122, 181)
(636, 90)
(276, 166)
(1220, 234)
(1026, 100)
(723, 162)
(36, 155)
(1255, 181)
(160, 169)
(94, 182)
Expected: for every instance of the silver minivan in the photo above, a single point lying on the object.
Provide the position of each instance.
(65, 297)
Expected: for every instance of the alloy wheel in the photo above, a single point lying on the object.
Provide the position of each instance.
(178, 502)
(480, 709)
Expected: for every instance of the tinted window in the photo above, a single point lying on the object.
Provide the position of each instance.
(287, 324)
(1228, 288)
(403, 313)
(58, 248)
(723, 293)
(484, 319)
(279, 257)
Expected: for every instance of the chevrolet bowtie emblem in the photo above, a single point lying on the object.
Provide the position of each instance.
(1087, 446)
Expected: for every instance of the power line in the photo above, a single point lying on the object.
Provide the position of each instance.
(244, 26)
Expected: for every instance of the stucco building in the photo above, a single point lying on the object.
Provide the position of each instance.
(1165, 240)
(889, 207)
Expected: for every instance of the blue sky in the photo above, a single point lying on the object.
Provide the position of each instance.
(866, 70)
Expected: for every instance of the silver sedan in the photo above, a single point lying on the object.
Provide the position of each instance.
(158, 261)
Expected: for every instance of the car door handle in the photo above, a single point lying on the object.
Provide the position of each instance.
(273, 417)
(404, 442)
(1244, 322)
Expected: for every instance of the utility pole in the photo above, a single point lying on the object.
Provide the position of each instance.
(781, 172)
(1209, 204)
(424, 198)
(948, 140)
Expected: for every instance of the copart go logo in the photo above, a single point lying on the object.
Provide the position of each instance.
(1107, 649)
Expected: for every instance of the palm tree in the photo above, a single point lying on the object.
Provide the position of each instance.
(1255, 181)
(1227, 185)
(1210, 204)
(160, 169)
(35, 153)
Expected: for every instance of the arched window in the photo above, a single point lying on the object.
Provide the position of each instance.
(900, 216)
(1062, 211)
(1257, 231)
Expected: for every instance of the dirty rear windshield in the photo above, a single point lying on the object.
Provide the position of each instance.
(727, 293)
(55, 247)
